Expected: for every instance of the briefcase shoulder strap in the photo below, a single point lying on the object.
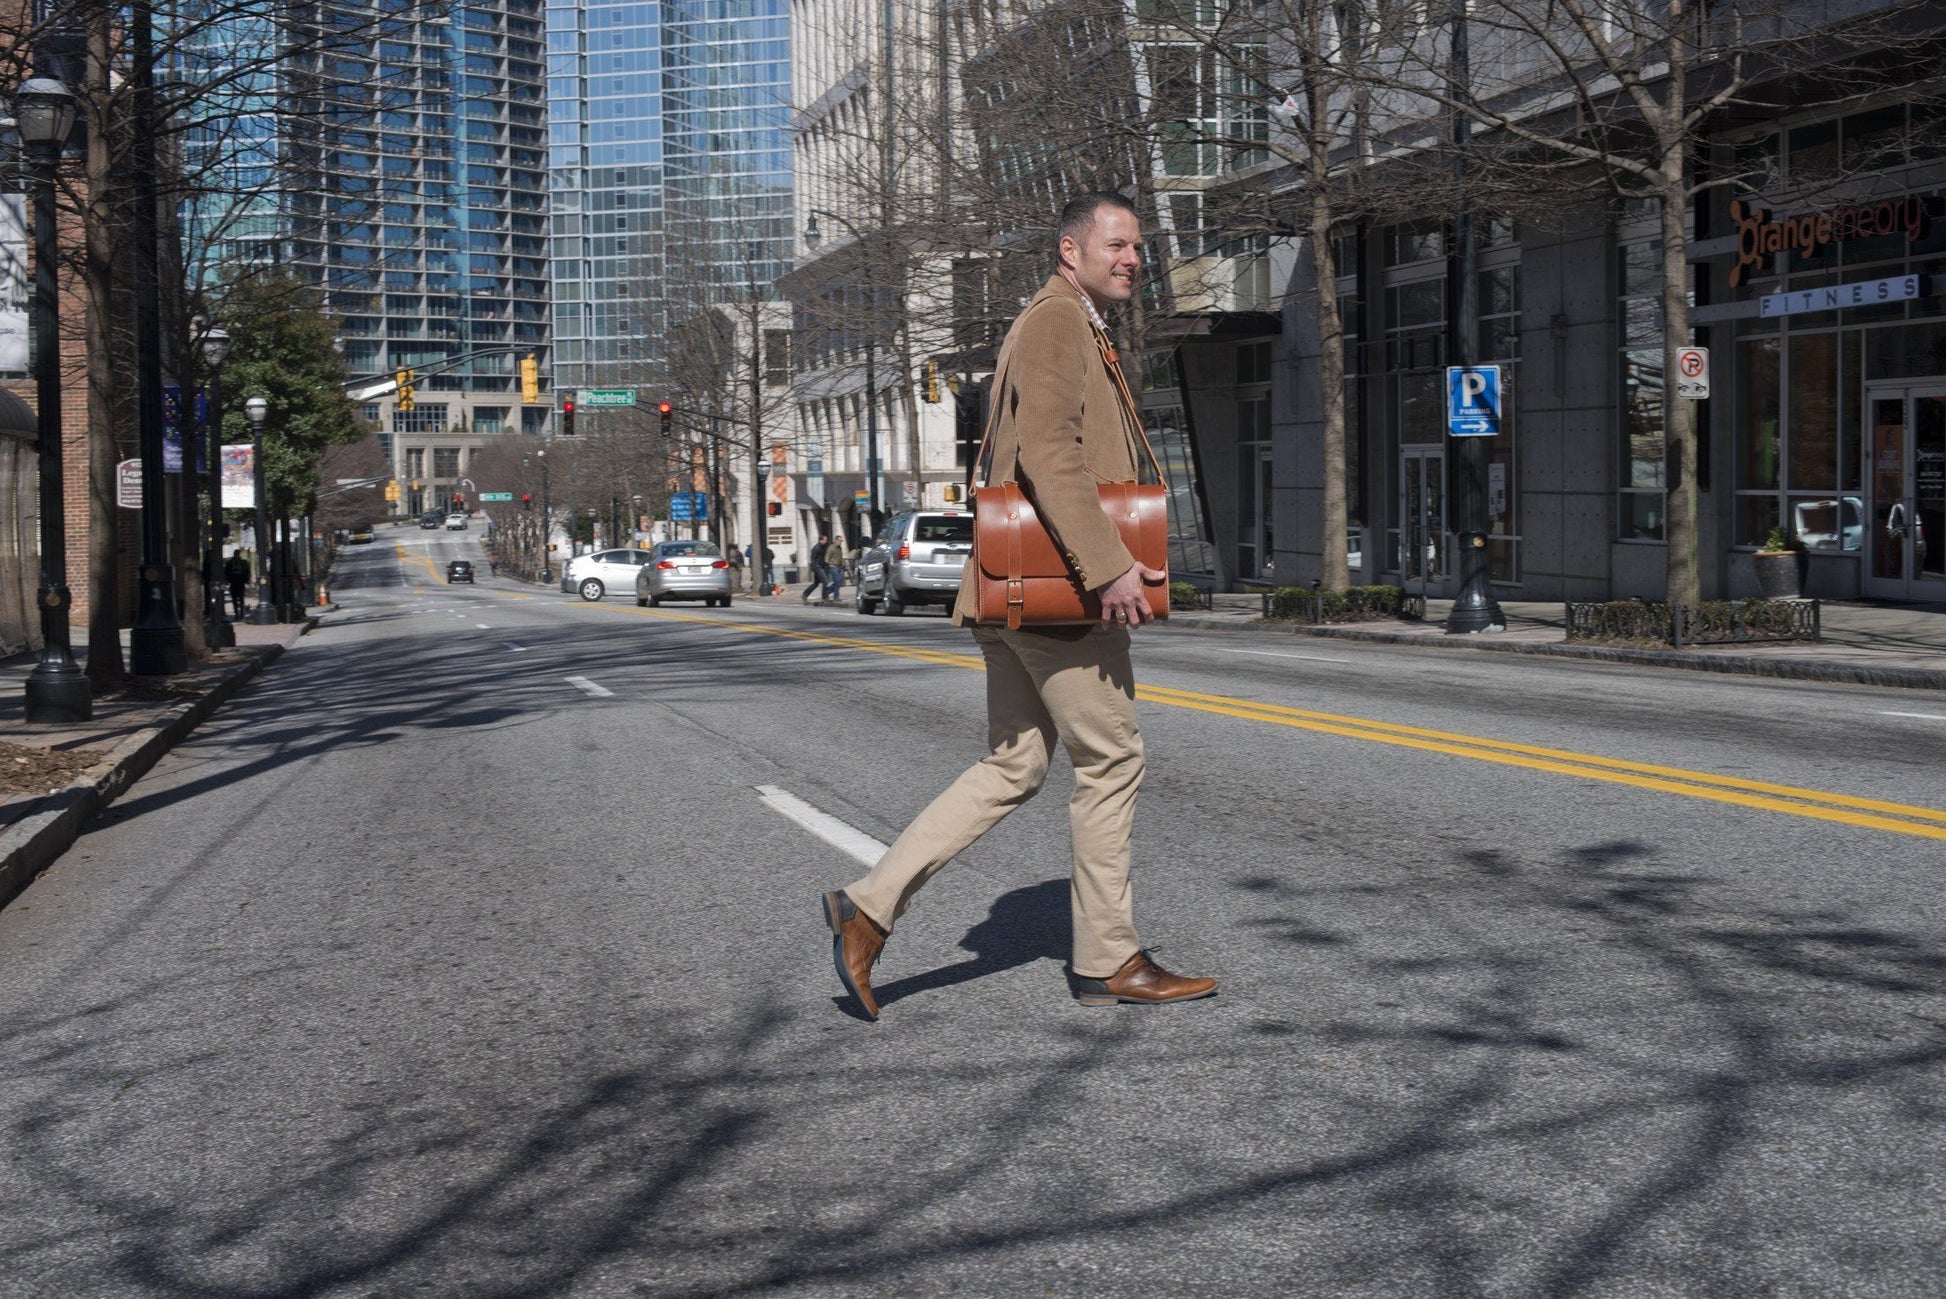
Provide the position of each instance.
(982, 467)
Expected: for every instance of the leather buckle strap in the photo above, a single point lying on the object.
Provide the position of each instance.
(1016, 579)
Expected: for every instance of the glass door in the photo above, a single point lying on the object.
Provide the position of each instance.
(1256, 550)
(1905, 534)
(1422, 521)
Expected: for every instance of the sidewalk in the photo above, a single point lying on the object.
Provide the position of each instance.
(1864, 643)
(54, 780)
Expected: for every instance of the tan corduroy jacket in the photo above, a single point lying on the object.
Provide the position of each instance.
(1063, 429)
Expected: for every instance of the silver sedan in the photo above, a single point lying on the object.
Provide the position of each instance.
(684, 570)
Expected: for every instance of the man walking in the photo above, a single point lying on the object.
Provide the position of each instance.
(1062, 428)
(834, 569)
(816, 583)
(236, 576)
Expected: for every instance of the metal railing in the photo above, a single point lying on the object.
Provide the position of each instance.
(1714, 622)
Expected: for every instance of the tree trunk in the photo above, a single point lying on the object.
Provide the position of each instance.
(1332, 509)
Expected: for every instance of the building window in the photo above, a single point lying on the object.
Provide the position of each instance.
(1642, 508)
(777, 357)
(415, 463)
(445, 462)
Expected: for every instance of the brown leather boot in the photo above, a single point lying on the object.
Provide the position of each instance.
(1141, 982)
(855, 944)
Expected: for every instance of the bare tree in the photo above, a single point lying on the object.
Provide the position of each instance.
(1632, 96)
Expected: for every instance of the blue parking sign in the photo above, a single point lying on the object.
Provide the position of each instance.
(1473, 400)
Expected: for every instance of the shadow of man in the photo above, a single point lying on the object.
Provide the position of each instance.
(1025, 925)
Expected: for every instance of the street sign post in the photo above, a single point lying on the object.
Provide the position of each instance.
(1473, 400)
(608, 396)
(496, 496)
(688, 507)
(1693, 373)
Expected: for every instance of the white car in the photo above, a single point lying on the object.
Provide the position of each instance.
(593, 576)
(456, 523)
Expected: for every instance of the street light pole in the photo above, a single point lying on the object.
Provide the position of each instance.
(156, 646)
(256, 408)
(57, 689)
(217, 629)
(1474, 608)
(813, 237)
(547, 571)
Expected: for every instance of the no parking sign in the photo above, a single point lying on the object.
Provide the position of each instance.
(1692, 373)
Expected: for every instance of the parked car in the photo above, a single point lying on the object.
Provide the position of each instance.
(919, 560)
(456, 522)
(684, 570)
(594, 575)
(459, 570)
(360, 536)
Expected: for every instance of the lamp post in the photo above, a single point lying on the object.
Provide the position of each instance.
(813, 237)
(1474, 608)
(57, 688)
(217, 629)
(265, 612)
(547, 571)
(155, 643)
(760, 535)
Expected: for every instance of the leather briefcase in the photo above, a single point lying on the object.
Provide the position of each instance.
(1024, 581)
(1023, 577)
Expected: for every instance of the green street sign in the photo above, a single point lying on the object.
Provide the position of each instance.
(496, 496)
(608, 396)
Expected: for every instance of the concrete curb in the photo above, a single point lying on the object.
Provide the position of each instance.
(33, 843)
(1860, 674)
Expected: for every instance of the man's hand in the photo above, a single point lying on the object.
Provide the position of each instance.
(1124, 603)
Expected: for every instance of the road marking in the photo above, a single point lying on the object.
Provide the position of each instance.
(1273, 654)
(1929, 717)
(589, 688)
(1820, 805)
(482, 626)
(518, 649)
(845, 838)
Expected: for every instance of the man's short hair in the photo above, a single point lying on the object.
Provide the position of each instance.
(1078, 217)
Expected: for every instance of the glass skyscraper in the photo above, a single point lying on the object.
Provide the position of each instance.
(396, 160)
(669, 171)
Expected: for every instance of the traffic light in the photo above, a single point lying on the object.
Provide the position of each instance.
(953, 493)
(530, 379)
(665, 410)
(526, 500)
(567, 417)
(459, 501)
(932, 382)
(404, 378)
(775, 508)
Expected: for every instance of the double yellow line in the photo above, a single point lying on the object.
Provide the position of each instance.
(1819, 805)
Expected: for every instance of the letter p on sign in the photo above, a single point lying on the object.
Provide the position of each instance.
(1692, 373)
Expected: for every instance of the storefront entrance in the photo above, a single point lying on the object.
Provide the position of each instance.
(1422, 521)
(1905, 510)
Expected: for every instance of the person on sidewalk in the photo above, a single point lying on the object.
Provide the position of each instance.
(236, 576)
(1062, 427)
(816, 583)
(834, 570)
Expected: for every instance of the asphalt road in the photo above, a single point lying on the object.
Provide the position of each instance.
(469, 953)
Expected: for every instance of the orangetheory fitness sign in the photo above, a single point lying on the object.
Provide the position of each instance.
(1760, 235)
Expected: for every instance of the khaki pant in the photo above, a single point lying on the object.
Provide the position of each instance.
(1074, 685)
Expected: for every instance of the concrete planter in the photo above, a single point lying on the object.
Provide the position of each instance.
(1777, 574)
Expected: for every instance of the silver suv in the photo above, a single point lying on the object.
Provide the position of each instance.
(919, 560)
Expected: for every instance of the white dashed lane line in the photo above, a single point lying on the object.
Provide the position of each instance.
(1924, 717)
(1273, 654)
(589, 688)
(845, 838)
(518, 649)
(482, 626)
